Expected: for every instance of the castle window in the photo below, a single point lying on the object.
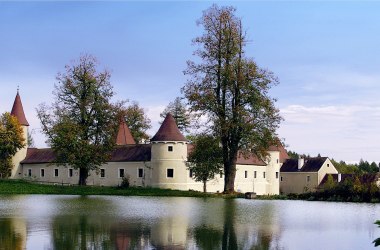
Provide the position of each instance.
(246, 174)
(121, 172)
(170, 173)
(276, 175)
(221, 175)
(56, 172)
(42, 172)
(277, 160)
(140, 173)
(308, 178)
(264, 175)
(29, 172)
(102, 173)
(281, 178)
(70, 172)
(191, 173)
(170, 148)
(255, 174)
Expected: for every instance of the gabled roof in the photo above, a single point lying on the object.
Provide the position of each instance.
(310, 165)
(168, 131)
(18, 111)
(123, 153)
(124, 135)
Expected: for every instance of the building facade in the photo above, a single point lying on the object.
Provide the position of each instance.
(159, 163)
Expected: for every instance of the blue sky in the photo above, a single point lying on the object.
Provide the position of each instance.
(325, 54)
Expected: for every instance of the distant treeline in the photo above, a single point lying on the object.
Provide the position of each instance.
(362, 167)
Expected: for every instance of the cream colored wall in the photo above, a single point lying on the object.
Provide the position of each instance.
(273, 170)
(296, 182)
(163, 159)
(327, 168)
(111, 174)
(19, 156)
(155, 173)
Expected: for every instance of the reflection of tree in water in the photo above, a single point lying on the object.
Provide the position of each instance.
(260, 236)
(9, 237)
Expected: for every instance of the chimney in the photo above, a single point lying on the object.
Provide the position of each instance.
(301, 162)
(339, 177)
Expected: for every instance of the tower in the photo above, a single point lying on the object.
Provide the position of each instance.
(18, 112)
(169, 155)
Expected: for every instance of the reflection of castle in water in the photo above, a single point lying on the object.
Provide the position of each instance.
(185, 224)
(12, 234)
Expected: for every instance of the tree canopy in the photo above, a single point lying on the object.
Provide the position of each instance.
(80, 124)
(231, 89)
(11, 140)
(180, 114)
(137, 121)
(206, 158)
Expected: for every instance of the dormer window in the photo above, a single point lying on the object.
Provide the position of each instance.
(170, 148)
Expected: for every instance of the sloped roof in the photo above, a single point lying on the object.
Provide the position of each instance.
(123, 153)
(283, 154)
(250, 159)
(310, 165)
(18, 111)
(168, 131)
(124, 135)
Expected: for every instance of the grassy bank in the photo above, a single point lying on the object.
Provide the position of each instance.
(10, 187)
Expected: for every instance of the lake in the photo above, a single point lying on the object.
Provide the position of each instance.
(114, 222)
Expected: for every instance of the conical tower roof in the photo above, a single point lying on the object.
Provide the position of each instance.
(124, 135)
(18, 111)
(168, 131)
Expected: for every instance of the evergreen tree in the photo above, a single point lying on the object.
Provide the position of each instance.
(180, 114)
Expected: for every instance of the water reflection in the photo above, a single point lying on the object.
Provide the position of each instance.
(12, 233)
(71, 222)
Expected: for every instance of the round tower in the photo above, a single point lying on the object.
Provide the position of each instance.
(18, 112)
(169, 155)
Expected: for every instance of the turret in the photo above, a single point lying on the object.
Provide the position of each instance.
(169, 155)
(124, 135)
(18, 112)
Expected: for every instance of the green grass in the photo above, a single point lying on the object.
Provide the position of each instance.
(9, 187)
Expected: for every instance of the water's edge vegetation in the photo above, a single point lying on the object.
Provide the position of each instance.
(11, 187)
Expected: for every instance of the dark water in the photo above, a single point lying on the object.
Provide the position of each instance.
(98, 222)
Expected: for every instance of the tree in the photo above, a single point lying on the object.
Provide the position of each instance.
(137, 121)
(231, 90)
(81, 125)
(180, 114)
(206, 159)
(11, 140)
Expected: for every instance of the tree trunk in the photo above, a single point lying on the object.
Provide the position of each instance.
(204, 186)
(83, 174)
(230, 173)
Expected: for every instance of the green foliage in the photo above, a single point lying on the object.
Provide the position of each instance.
(125, 182)
(180, 114)
(231, 89)
(24, 187)
(11, 140)
(137, 121)
(330, 183)
(206, 159)
(81, 124)
(377, 241)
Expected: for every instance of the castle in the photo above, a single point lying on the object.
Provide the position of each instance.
(159, 163)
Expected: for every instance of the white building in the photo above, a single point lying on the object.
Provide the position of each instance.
(161, 163)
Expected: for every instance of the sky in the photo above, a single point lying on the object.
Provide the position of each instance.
(325, 54)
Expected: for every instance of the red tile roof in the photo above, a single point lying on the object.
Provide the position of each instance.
(123, 153)
(168, 131)
(283, 154)
(124, 135)
(250, 159)
(18, 111)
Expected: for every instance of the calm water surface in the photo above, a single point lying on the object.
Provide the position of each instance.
(98, 222)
